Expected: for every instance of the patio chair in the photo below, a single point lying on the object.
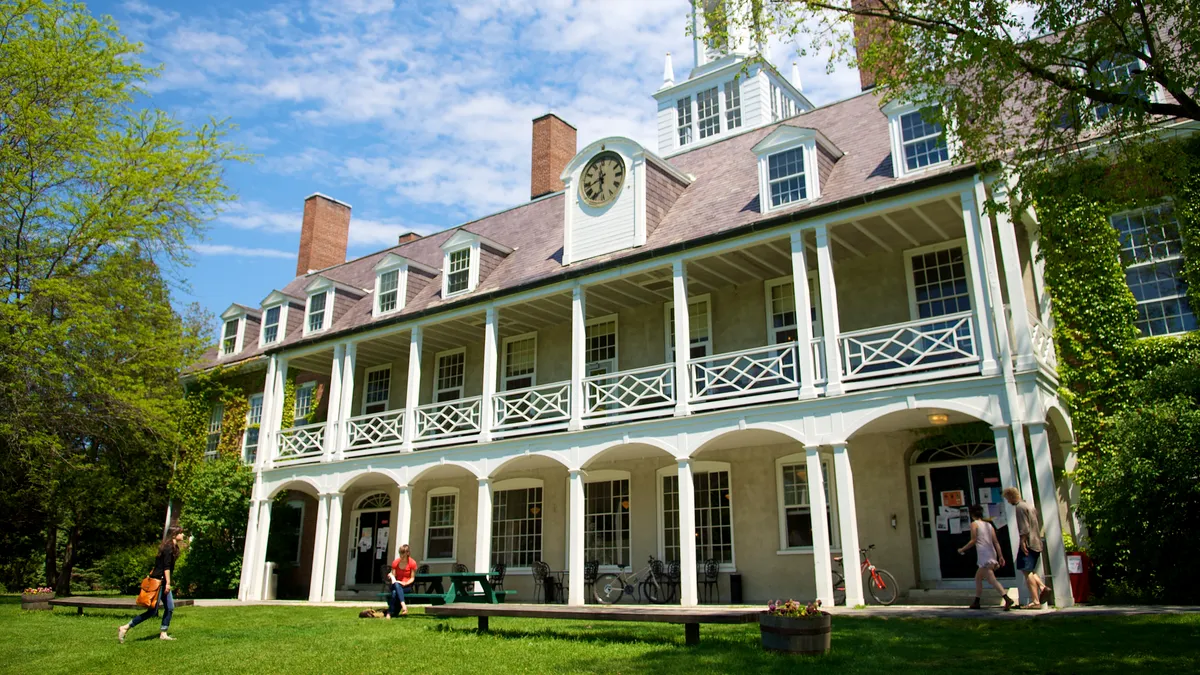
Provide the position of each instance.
(659, 571)
(496, 578)
(591, 570)
(708, 584)
(421, 586)
(459, 567)
(545, 583)
(674, 580)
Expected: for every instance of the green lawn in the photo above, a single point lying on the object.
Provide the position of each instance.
(330, 640)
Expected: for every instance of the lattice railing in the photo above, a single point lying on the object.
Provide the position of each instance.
(1043, 343)
(917, 345)
(448, 418)
(300, 443)
(745, 372)
(629, 391)
(375, 429)
(532, 406)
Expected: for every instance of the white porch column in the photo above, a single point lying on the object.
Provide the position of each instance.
(578, 355)
(491, 338)
(413, 395)
(979, 296)
(268, 449)
(804, 352)
(1018, 306)
(848, 517)
(1071, 491)
(260, 581)
(682, 339)
(349, 361)
(1052, 548)
(332, 428)
(1042, 293)
(1008, 478)
(575, 551)
(333, 545)
(317, 578)
(403, 520)
(1024, 477)
(268, 423)
(247, 577)
(483, 527)
(829, 316)
(822, 556)
(688, 574)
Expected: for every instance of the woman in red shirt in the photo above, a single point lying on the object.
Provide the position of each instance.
(401, 577)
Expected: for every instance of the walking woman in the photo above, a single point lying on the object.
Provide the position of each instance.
(988, 556)
(401, 578)
(164, 567)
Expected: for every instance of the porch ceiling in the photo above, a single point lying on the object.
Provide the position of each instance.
(392, 348)
(896, 231)
(320, 362)
(911, 420)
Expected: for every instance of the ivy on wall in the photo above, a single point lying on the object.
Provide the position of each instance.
(232, 388)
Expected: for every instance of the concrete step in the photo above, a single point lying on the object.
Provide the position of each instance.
(951, 597)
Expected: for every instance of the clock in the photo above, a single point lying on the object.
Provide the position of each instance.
(602, 179)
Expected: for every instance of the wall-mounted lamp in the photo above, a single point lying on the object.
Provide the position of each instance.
(893, 521)
(938, 419)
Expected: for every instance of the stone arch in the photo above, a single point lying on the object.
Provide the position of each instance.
(535, 459)
(863, 423)
(1058, 418)
(303, 484)
(433, 469)
(622, 448)
(351, 480)
(766, 433)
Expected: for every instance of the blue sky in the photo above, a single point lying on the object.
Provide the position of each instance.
(416, 113)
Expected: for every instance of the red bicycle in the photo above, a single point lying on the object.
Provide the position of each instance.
(878, 582)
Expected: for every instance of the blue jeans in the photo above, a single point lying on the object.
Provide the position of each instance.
(166, 599)
(395, 598)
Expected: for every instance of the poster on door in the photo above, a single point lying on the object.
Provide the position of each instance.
(954, 498)
(381, 542)
(364, 540)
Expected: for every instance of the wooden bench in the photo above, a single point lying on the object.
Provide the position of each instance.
(690, 617)
(106, 603)
(462, 589)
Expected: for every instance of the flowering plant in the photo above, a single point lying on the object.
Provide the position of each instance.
(37, 591)
(795, 609)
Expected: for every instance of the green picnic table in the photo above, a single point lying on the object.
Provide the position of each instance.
(462, 589)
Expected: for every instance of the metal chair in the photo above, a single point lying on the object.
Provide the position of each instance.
(417, 586)
(659, 571)
(674, 580)
(591, 571)
(708, 584)
(459, 567)
(545, 582)
(496, 578)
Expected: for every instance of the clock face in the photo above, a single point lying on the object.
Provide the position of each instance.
(602, 179)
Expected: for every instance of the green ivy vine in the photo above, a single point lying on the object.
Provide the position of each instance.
(229, 386)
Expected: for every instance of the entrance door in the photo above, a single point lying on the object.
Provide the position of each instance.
(954, 489)
(370, 547)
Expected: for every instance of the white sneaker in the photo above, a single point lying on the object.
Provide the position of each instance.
(121, 634)
(164, 636)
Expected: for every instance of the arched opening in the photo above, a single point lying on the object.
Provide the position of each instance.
(368, 528)
(291, 539)
(444, 510)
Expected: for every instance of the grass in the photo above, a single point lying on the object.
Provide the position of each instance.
(335, 640)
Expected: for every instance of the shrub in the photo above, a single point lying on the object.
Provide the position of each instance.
(124, 569)
(215, 505)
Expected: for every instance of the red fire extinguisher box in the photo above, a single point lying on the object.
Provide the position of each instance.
(1079, 567)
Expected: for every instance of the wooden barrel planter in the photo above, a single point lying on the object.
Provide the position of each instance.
(36, 601)
(808, 635)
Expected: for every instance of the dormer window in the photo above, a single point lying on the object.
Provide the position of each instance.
(389, 291)
(271, 322)
(786, 177)
(395, 277)
(230, 337)
(917, 142)
(317, 306)
(458, 271)
(1118, 74)
(464, 254)
(234, 327)
(275, 317)
(683, 120)
(788, 166)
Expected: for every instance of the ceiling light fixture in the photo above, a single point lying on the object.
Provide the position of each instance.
(938, 419)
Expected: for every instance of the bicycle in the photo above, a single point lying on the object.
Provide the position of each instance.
(878, 582)
(609, 588)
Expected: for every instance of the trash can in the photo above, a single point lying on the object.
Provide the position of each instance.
(1079, 568)
(735, 589)
(270, 581)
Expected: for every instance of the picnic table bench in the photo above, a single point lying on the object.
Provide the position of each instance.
(105, 603)
(462, 589)
(690, 617)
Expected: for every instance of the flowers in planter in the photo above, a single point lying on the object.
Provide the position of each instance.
(37, 591)
(795, 609)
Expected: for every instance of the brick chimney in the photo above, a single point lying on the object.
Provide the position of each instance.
(407, 237)
(323, 234)
(867, 30)
(553, 147)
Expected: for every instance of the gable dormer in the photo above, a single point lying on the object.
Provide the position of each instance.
(793, 162)
(326, 301)
(616, 191)
(239, 326)
(467, 259)
(397, 280)
(277, 308)
(918, 143)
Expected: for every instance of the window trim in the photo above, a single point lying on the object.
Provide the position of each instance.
(813, 288)
(472, 268)
(894, 112)
(437, 364)
(442, 492)
(608, 476)
(718, 112)
(835, 536)
(518, 484)
(1181, 257)
(367, 378)
(732, 89)
(504, 359)
(239, 334)
(401, 291)
(327, 318)
(784, 139)
(246, 430)
(691, 121)
(281, 327)
(616, 322)
(312, 385)
(668, 309)
(697, 467)
(911, 253)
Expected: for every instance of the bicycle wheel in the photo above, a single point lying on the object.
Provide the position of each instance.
(885, 593)
(608, 589)
(654, 592)
(839, 589)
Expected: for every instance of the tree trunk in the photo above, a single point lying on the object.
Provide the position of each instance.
(51, 554)
(63, 587)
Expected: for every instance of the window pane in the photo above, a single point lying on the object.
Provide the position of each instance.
(733, 104)
(601, 341)
(271, 325)
(229, 341)
(304, 401)
(924, 143)
(450, 372)
(1151, 250)
(316, 311)
(708, 110)
(940, 283)
(378, 387)
(683, 119)
(785, 172)
(459, 275)
(520, 357)
(517, 527)
(440, 544)
(606, 522)
(388, 283)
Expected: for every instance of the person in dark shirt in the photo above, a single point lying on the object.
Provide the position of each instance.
(164, 566)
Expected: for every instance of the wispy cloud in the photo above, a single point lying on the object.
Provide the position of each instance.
(241, 251)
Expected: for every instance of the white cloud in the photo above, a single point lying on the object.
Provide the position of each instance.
(258, 216)
(241, 251)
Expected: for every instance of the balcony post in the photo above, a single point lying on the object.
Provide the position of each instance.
(483, 527)
(271, 449)
(688, 596)
(848, 519)
(317, 577)
(804, 353)
(829, 315)
(268, 422)
(1056, 558)
(349, 360)
(491, 338)
(247, 577)
(578, 355)
(1013, 279)
(412, 396)
(334, 412)
(979, 295)
(403, 520)
(259, 580)
(575, 551)
(682, 339)
(333, 545)
(822, 556)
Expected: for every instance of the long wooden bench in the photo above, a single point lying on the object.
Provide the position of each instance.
(83, 601)
(690, 617)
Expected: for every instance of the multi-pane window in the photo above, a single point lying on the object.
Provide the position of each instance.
(714, 517)
(378, 390)
(520, 362)
(1116, 73)
(785, 176)
(316, 311)
(708, 112)
(700, 335)
(229, 337)
(1152, 253)
(270, 328)
(940, 283)
(389, 284)
(305, 398)
(253, 420)
(214, 431)
(924, 143)
(439, 532)
(517, 527)
(458, 274)
(600, 345)
(683, 119)
(606, 522)
(797, 512)
(450, 369)
(733, 104)
(782, 299)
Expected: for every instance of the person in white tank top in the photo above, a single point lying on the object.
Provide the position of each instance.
(988, 555)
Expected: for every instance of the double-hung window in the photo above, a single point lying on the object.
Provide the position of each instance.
(683, 120)
(253, 419)
(214, 431)
(517, 526)
(1117, 74)
(733, 104)
(923, 142)
(713, 513)
(1152, 254)
(699, 328)
(441, 522)
(389, 291)
(305, 400)
(606, 521)
(229, 337)
(708, 113)
(317, 303)
(786, 177)
(795, 509)
(939, 281)
(520, 362)
(458, 271)
(451, 367)
(377, 391)
(270, 326)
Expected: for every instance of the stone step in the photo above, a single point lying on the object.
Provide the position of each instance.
(951, 597)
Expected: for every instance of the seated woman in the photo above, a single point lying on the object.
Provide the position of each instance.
(400, 579)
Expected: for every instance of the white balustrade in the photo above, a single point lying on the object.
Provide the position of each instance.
(1043, 343)
(374, 431)
(532, 408)
(300, 444)
(642, 392)
(448, 419)
(744, 373)
(903, 348)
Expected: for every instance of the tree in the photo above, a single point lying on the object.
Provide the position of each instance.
(1016, 87)
(217, 498)
(98, 193)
